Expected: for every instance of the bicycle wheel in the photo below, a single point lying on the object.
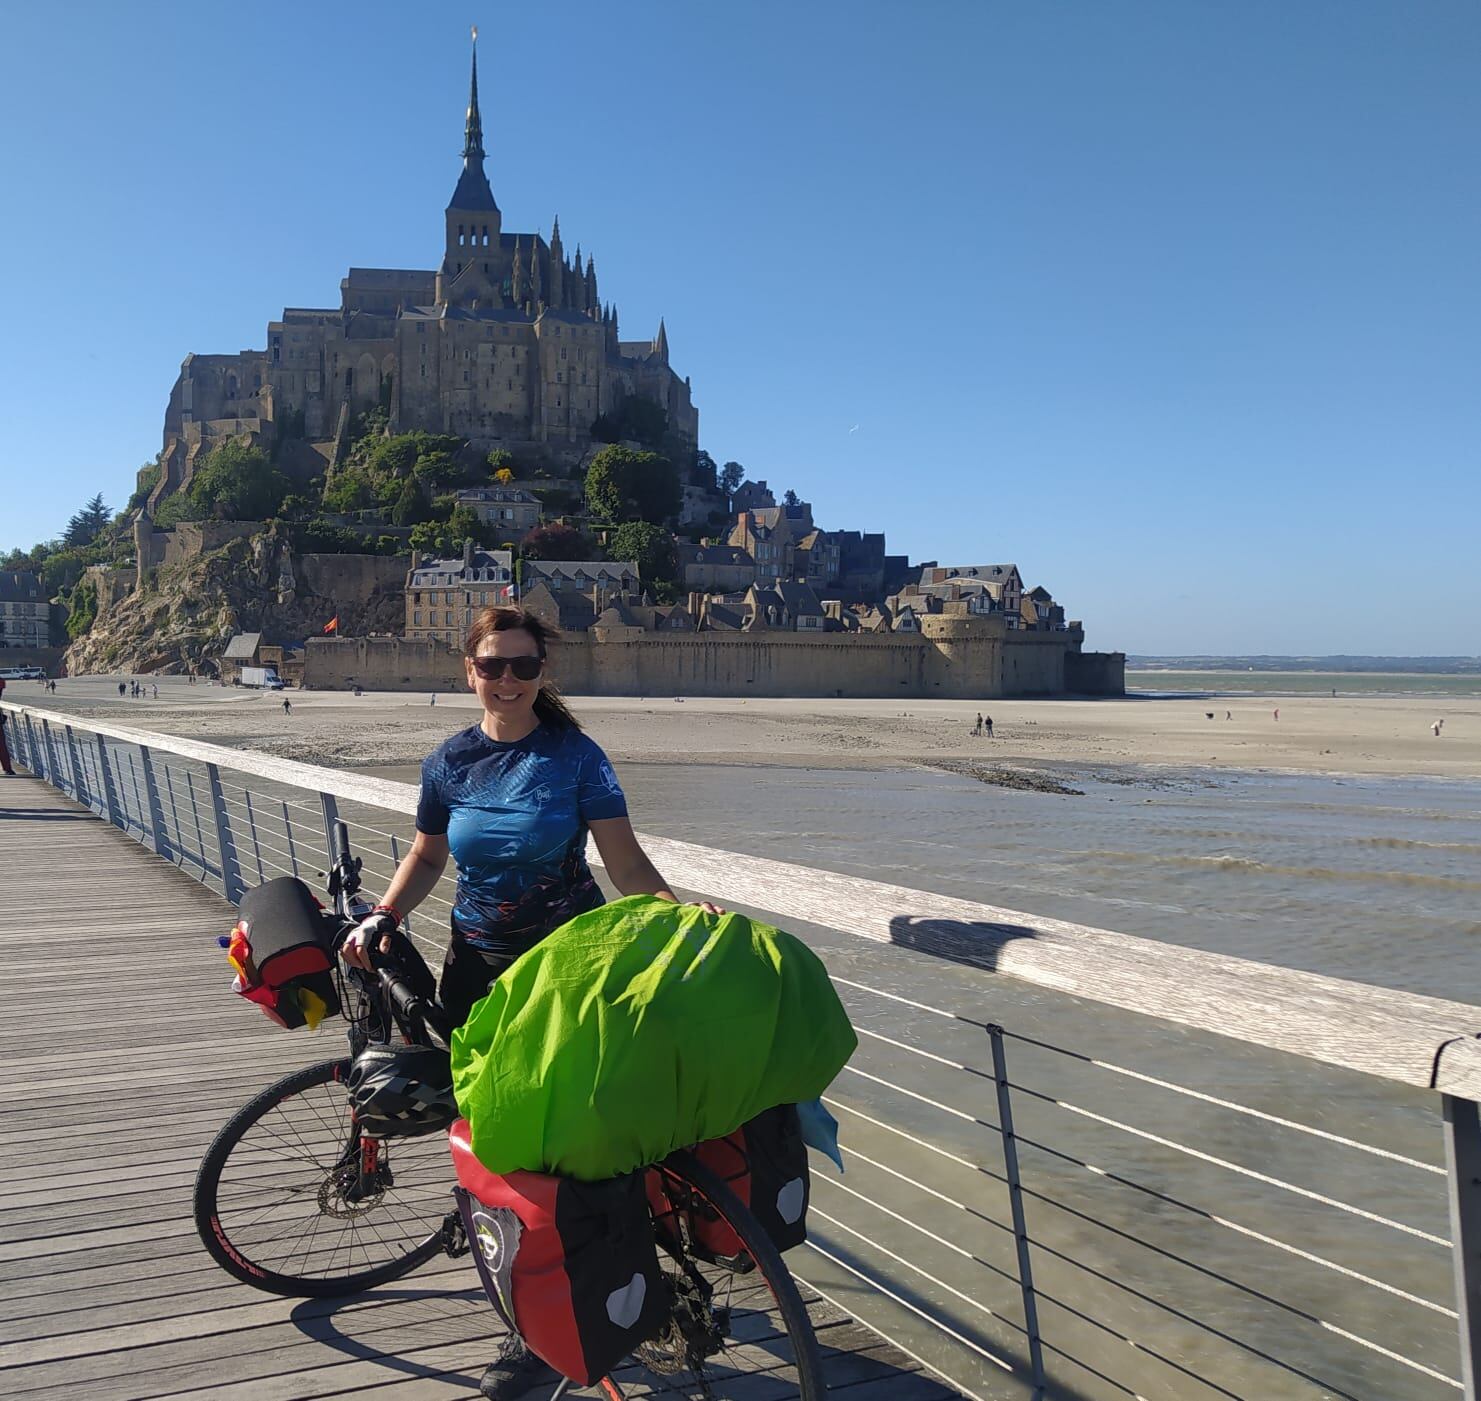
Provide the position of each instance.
(731, 1319)
(278, 1203)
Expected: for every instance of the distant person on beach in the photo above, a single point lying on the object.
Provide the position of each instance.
(433, 701)
(1277, 712)
(287, 706)
(987, 725)
(156, 693)
(121, 688)
(1436, 728)
(1229, 715)
(978, 730)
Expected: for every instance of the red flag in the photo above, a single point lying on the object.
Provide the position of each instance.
(333, 624)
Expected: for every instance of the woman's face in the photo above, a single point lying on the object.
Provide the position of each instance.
(507, 696)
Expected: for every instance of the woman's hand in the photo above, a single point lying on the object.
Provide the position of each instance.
(710, 908)
(353, 950)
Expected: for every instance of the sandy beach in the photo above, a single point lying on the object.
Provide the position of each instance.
(1371, 735)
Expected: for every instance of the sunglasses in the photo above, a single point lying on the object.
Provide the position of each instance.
(523, 668)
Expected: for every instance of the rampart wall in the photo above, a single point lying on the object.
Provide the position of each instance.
(965, 661)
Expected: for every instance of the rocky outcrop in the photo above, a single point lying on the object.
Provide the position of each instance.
(184, 617)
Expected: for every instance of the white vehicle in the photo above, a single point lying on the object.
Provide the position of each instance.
(264, 676)
(22, 673)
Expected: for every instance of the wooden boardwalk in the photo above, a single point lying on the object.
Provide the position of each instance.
(124, 1055)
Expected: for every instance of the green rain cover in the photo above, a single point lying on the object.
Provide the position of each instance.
(642, 1027)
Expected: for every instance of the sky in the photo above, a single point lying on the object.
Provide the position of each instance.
(1176, 304)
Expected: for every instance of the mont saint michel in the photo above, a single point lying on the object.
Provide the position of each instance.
(506, 342)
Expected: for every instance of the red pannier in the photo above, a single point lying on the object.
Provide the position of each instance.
(764, 1162)
(282, 950)
(571, 1266)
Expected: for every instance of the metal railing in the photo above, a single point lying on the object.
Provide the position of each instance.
(1150, 1172)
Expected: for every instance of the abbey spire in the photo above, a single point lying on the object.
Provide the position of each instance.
(473, 193)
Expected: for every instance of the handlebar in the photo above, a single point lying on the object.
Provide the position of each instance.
(407, 1002)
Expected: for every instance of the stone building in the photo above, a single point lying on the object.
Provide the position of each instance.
(442, 595)
(511, 509)
(25, 611)
(716, 568)
(608, 578)
(507, 342)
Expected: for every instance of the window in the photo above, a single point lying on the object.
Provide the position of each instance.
(416, 597)
(563, 352)
(416, 619)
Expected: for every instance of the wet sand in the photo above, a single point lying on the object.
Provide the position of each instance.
(1379, 736)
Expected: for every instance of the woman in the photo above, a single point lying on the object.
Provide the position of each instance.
(512, 798)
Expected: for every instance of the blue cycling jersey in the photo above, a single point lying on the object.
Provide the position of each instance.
(515, 815)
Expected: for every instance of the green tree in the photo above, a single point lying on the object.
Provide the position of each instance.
(500, 460)
(623, 485)
(147, 479)
(86, 523)
(412, 506)
(732, 474)
(639, 420)
(650, 545)
(791, 498)
(352, 489)
(62, 570)
(84, 610)
(176, 508)
(555, 542)
(236, 482)
(706, 471)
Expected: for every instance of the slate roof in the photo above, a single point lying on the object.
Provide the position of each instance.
(435, 573)
(473, 190)
(20, 588)
(717, 554)
(503, 495)
(242, 647)
(591, 568)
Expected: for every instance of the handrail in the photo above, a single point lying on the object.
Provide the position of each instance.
(1429, 1042)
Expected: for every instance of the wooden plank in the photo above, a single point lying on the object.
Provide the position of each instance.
(105, 1290)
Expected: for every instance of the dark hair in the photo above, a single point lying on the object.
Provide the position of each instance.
(550, 707)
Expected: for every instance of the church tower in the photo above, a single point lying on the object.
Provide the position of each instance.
(471, 262)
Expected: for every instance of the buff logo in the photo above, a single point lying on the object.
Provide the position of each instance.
(496, 1233)
(609, 779)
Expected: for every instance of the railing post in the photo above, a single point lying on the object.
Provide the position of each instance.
(49, 758)
(84, 793)
(395, 864)
(1463, 1165)
(1015, 1207)
(109, 796)
(231, 876)
(288, 832)
(252, 827)
(331, 820)
(157, 827)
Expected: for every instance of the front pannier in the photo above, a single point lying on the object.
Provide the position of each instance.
(571, 1266)
(282, 951)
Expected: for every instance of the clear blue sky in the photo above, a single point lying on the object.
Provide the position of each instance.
(1174, 304)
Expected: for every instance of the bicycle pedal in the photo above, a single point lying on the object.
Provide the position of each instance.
(454, 1238)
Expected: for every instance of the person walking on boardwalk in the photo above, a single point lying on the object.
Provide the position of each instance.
(4, 747)
(511, 799)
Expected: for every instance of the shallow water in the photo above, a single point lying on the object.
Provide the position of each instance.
(1302, 683)
(1378, 880)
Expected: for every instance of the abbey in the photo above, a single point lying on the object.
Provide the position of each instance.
(507, 342)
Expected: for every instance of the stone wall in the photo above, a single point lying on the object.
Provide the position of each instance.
(192, 538)
(1096, 673)
(350, 579)
(51, 659)
(961, 659)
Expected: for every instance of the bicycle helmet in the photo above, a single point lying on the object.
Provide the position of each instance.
(402, 1091)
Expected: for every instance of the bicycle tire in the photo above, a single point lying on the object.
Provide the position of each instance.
(240, 1235)
(769, 1265)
